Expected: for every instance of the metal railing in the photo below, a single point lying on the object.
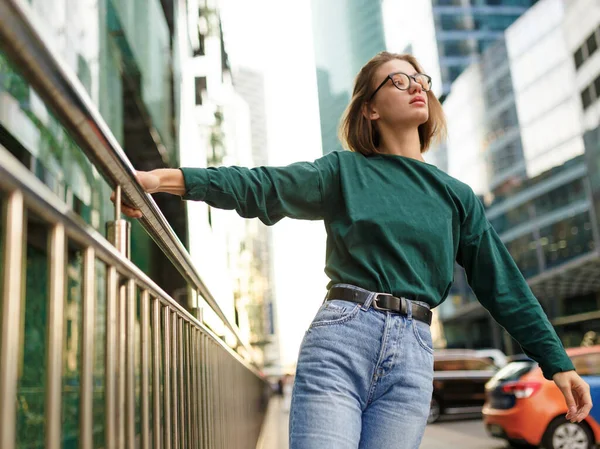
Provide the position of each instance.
(63, 93)
(169, 381)
(199, 392)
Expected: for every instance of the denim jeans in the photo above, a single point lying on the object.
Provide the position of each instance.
(364, 379)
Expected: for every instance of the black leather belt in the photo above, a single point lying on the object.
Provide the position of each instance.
(383, 301)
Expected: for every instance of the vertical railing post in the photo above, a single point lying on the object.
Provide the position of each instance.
(111, 357)
(167, 376)
(157, 427)
(130, 364)
(57, 262)
(87, 353)
(174, 380)
(118, 232)
(12, 294)
(145, 390)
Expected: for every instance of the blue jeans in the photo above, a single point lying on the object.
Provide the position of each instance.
(364, 379)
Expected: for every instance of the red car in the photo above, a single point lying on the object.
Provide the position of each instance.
(527, 410)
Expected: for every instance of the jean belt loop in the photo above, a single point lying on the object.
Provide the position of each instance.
(408, 309)
(368, 302)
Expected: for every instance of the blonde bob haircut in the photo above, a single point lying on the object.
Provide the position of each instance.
(358, 133)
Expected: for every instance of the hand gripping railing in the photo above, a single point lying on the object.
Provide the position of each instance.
(62, 91)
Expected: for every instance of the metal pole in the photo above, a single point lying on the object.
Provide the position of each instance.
(12, 293)
(57, 262)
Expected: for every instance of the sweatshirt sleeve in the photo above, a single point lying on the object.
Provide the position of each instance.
(501, 288)
(299, 190)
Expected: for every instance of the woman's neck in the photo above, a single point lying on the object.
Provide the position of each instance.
(401, 143)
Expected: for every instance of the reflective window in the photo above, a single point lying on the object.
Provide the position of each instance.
(506, 157)
(587, 97)
(580, 304)
(567, 239)
(454, 72)
(524, 252)
(592, 44)
(587, 49)
(457, 48)
(559, 197)
(578, 57)
(499, 90)
(525, 184)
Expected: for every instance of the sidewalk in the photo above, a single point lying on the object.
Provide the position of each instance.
(274, 434)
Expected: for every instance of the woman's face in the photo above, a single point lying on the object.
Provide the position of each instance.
(392, 106)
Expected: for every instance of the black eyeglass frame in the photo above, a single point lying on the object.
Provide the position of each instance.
(411, 79)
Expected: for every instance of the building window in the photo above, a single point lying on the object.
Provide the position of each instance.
(587, 49)
(457, 48)
(200, 88)
(201, 50)
(578, 57)
(586, 97)
(592, 44)
(454, 72)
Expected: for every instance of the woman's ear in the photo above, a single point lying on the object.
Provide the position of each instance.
(370, 112)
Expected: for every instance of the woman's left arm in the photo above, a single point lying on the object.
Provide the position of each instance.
(502, 290)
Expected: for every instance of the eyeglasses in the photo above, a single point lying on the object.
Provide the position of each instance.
(402, 81)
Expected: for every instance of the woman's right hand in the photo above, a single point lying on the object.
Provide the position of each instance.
(150, 182)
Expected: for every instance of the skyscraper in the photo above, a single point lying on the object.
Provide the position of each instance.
(449, 34)
(465, 28)
(347, 33)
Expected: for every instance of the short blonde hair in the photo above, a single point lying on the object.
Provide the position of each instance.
(359, 134)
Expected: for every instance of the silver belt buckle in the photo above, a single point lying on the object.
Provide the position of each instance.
(376, 306)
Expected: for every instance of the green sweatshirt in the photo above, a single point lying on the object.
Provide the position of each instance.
(394, 225)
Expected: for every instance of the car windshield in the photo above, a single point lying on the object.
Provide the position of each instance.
(511, 372)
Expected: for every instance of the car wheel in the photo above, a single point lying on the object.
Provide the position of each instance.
(435, 410)
(563, 434)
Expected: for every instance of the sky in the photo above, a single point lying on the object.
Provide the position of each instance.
(283, 51)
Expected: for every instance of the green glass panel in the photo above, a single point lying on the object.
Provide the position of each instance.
(72, 350)
(99, 352)
(32, 367)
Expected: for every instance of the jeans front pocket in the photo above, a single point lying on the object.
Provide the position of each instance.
(423, 335)
(335, 311)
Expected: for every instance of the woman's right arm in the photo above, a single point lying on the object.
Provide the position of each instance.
(300, 190)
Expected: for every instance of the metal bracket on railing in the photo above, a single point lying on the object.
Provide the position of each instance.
(118, 232)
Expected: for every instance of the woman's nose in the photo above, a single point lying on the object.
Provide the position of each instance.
(415, 87)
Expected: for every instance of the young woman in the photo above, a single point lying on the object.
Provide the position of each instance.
(395, 227)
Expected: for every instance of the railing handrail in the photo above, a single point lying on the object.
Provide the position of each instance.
(62, 91)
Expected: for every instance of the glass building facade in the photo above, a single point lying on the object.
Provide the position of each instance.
(534, 163)
(466, 28)
(346, 33)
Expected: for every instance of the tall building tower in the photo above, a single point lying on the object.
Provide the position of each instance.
(448, 35)
(250, 85)
(466, 28)
(347, 33)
